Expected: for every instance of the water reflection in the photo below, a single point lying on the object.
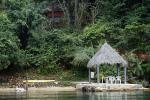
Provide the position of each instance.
(47, 95)
(138, 95)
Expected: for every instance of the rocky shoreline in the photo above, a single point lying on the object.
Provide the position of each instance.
(69, 88)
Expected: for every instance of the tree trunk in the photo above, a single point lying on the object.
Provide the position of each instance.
(76, 13)
(3, 4)
(65, 7)
(67, 13)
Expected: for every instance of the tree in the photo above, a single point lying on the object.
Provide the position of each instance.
(9, 43)
(28, 17)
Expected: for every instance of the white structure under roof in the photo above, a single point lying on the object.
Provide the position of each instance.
(107, 55)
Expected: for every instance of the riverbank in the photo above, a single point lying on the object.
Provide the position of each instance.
(34, 79)
(68, 88)
(39, 83)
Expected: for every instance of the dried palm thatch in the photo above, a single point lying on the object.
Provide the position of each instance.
(106, 55)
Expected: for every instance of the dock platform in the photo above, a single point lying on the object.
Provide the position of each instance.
(107, 87)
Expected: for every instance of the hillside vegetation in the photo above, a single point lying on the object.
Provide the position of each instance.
(28, 39)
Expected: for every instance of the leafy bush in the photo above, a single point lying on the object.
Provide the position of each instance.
(9, 43)
(82, 56)
(50, 69)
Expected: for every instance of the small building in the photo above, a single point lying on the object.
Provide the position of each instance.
(55, 14)
(107, 55)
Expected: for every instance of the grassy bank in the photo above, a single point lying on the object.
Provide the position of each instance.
(62, 77)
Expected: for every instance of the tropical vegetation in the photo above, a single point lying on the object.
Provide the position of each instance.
(28, 40)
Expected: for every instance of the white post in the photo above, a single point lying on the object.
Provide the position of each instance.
(125, 74)
(89, 75)
(97, 74)
(118, 69)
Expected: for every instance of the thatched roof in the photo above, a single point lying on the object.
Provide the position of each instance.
(106, 55)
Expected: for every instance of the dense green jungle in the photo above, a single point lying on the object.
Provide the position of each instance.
(31, 42)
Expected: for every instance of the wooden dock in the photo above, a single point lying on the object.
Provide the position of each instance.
(107, 87)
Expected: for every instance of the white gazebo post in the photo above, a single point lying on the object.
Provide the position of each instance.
(125, 74)
(89, 75)
(118, 69)
(97, 67)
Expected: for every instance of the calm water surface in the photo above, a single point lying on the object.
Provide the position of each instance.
(42, 95)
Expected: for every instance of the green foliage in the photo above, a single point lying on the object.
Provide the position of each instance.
(135, 37)
(74, 74)
(28, 18)
(51, 69)
(125, 25)
(82, 56)
(8, 42)
(26, 39)
(146, 70)
(4, 62)
(95, 34)
(135, 65)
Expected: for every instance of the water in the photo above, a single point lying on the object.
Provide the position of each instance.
(47, 95)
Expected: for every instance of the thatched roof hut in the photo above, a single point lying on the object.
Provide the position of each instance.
(106, 55)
